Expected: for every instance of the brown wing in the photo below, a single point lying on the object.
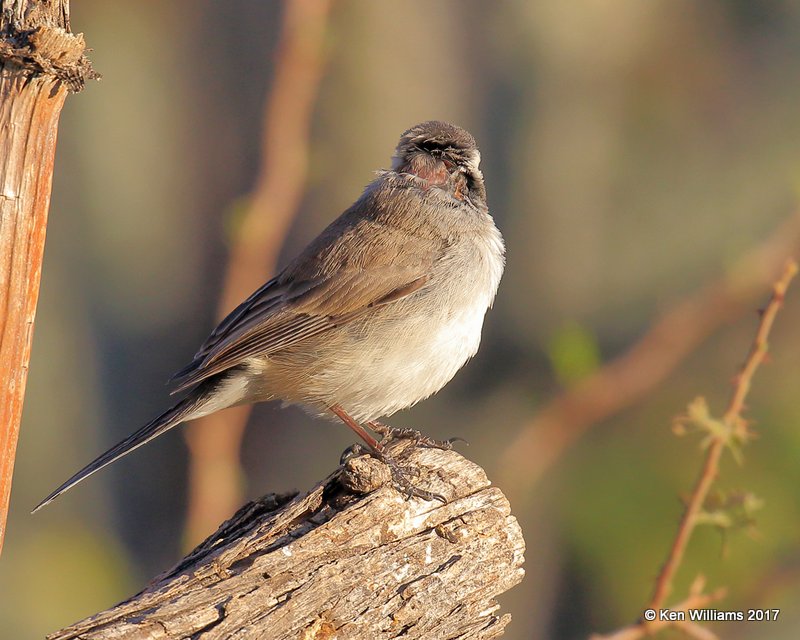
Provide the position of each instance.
(278, 316)
(376, 252)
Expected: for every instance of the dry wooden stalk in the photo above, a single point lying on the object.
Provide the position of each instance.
(337, 564)
(40, 61)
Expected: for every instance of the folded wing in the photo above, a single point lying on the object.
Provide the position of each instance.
(280, 315)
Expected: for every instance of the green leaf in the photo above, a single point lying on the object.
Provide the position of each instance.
(573, 353)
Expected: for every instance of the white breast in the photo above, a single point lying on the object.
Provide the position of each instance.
(418, 355)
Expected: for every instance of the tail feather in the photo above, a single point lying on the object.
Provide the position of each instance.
(184, 410)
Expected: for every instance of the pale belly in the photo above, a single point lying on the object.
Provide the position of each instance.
(396, 356)
(397, 364)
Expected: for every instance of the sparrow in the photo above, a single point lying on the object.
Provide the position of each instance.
(377, 313)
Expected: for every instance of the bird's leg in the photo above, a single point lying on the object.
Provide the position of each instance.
(378, 451)
(361, 432)
(390, 433)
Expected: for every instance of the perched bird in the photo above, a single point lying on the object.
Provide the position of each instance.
(377, 313)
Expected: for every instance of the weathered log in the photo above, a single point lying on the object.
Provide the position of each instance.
(336, 563)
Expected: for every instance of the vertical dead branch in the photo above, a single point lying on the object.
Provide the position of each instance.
(214, 441)
(40, 61)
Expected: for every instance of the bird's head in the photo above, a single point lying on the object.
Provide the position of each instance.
(442, 155)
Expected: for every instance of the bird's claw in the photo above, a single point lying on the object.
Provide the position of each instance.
(400, 474)
(404, 485)
(353, 451)
(398, 433)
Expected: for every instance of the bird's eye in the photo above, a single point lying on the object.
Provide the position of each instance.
(470, 178)
(432, 147)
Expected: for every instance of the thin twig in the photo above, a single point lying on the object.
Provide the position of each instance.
(215, 487)
(734, 423)
(630, 376)
(696, 631)
(735, 428)
(643, 629)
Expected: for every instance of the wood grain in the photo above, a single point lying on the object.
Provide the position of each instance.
(336, 564)
(40, 61)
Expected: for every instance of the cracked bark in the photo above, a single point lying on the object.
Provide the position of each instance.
(338, 564)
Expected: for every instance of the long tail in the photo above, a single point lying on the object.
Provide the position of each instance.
(189, 407)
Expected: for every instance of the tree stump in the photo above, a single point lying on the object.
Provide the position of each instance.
(353, 558)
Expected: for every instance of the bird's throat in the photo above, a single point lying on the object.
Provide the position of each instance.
(429, 169)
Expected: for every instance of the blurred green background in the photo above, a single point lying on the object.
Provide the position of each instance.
(632, 152)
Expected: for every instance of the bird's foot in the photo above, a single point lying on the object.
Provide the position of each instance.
(388, 434)
(400, 474)
(401, 482)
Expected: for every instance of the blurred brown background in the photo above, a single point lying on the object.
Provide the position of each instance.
(633, 152)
